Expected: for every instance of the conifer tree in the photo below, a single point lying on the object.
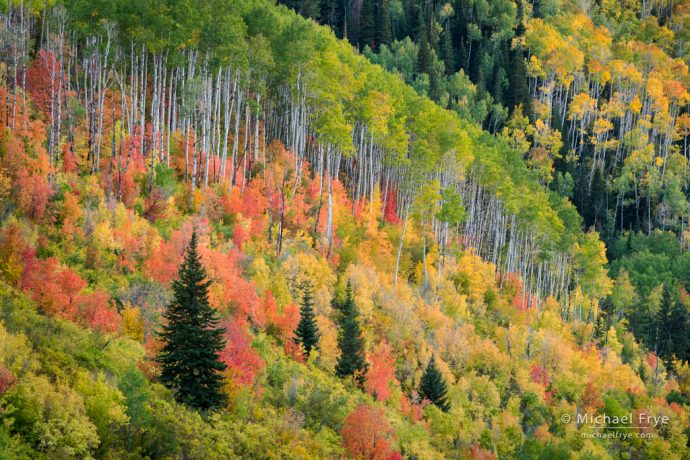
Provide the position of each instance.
(447, 51)
(383, 23)
(190, 364)
(433, 387)
(307, 332)
(351, 361)
(662, 325)
(670, 327)
(603, 322)
(367, 25)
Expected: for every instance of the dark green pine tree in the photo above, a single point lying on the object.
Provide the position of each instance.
(433, 387)
(662, 325)
(680, 332)
(367, 25)
(671, 328)
(307, 332)
(351, 362)
(310, 9)
(603, 322)
(190, 364)
(517, 92)
(383, 24)
(447, 50)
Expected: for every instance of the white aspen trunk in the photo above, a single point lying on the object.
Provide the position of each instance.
(400, 245)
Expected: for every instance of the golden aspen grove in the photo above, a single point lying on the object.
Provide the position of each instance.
(345, 229)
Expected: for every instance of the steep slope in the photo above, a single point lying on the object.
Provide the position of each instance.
(296, 161)
(595, 97)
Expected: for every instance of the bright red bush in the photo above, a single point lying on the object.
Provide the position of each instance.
(54, 289)
(244, 363)
(97, 312)
(381, 373)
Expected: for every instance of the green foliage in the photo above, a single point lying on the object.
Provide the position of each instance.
(671, 325)
(433, 387)
(351, 362)
(66, 392)
(452, 211)
(307, 332)
(650, 269)
(165, 180)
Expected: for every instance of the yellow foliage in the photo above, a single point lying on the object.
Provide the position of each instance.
(454, 304)
(102, 236)
(478, 274)
(636, 105)
(328, 342)
(365, 286)
(307, 266)
(132, 323)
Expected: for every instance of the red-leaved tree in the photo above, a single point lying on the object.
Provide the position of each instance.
(367, 433)
(381, 373)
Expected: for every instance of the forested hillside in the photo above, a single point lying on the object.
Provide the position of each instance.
(380, 261)
(594, 95)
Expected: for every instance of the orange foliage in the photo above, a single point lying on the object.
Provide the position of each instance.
(414, 411)
(652, 360)
(367, 433)
(251, 204)
(69, 160)
(514, 290)
(33, 193)
(269, 307)
(123, 169)
(286, 323)
(152, 348)
(591, 398)
(12, 247)
(288, 320)
(230, 288)
(29, 173)
(241, 233)
(164, 261)
(477, 453)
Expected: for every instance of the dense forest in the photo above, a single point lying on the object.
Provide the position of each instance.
(594, 96)
(417, 230)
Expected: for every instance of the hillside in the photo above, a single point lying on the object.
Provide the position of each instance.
(594, 95)
(318, 181)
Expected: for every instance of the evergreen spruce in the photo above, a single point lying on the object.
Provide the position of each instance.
(447, 50)
(662, 326)
(671, 329)
(367, 25)
(190, 365)
(351, 362)
(433, 387)
(307, 332)
(603, 322)
(383, 24)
